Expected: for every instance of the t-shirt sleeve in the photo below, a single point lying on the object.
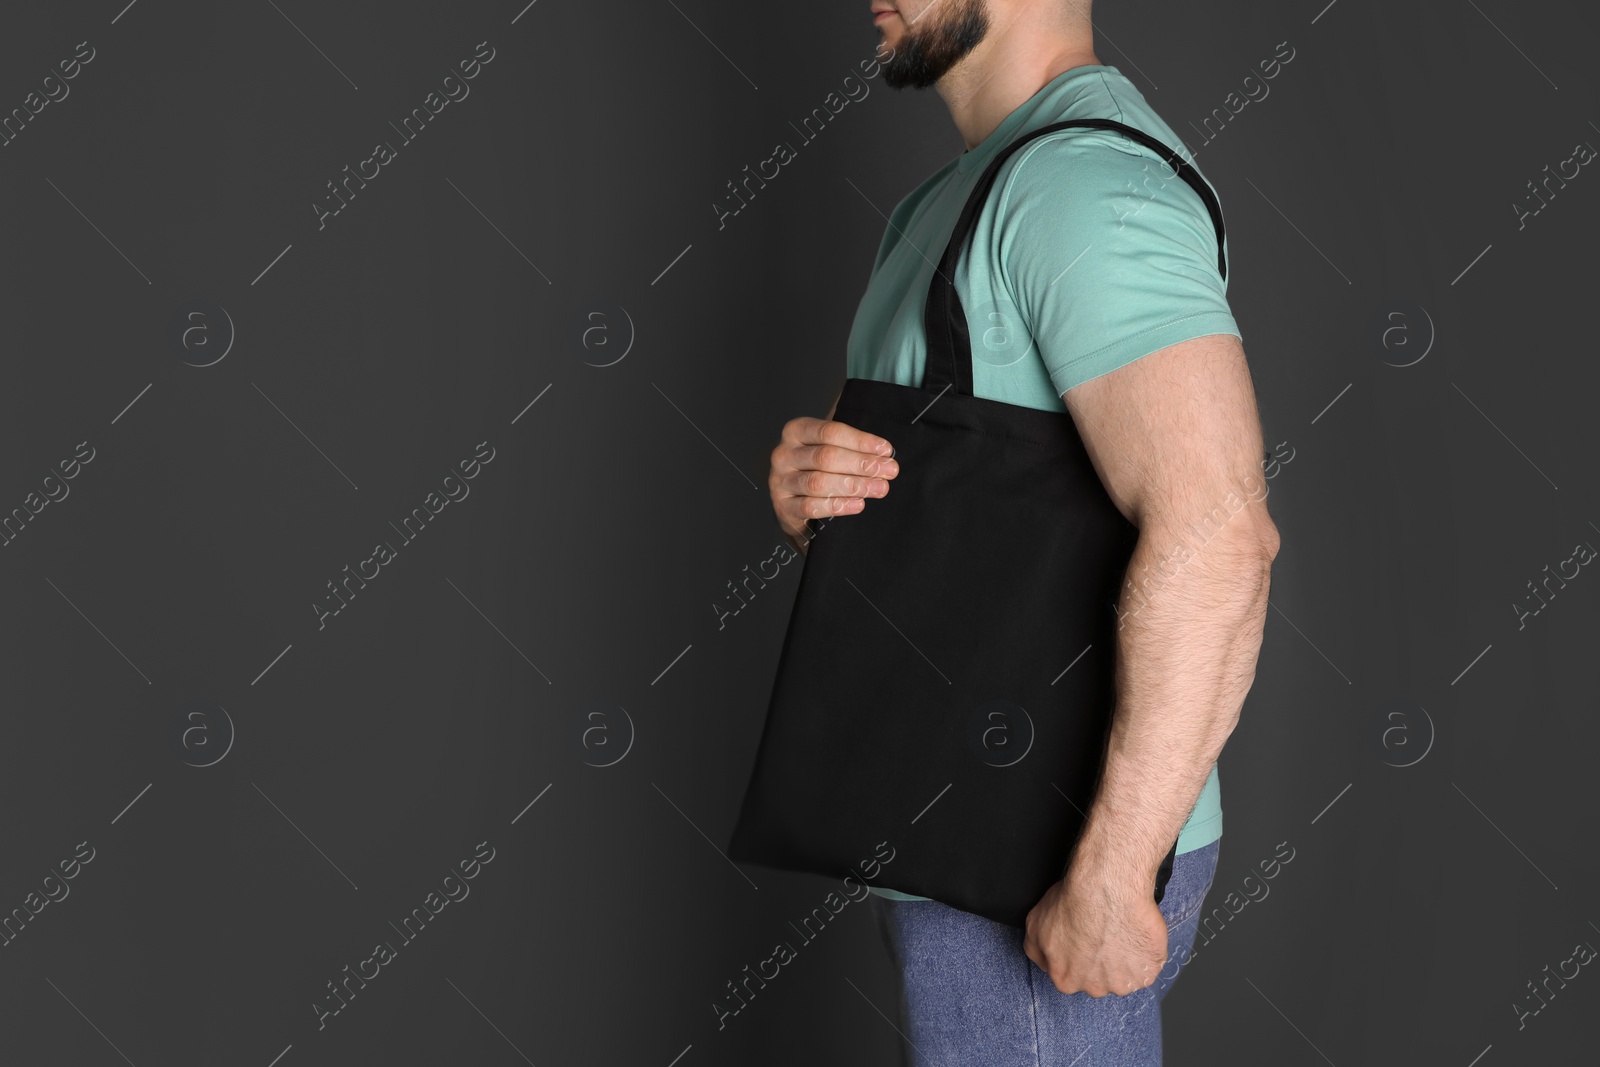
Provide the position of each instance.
(1107, 254)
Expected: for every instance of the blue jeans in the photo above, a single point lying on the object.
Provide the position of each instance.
(970, 996)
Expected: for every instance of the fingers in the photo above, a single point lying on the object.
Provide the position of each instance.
(809, 431)
(833, 447)
(1031, 950)
(814, 482)
(823, 467)
(1068, 987)
(837, 459)
(1069, 981)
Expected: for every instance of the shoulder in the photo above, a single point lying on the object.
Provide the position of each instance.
(1088, 187)
(1107, 95)
(1097, 177)
(1086, 169)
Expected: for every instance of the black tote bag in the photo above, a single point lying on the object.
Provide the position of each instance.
(944, 695)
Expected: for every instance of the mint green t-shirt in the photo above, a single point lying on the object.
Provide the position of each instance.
(1102, 255)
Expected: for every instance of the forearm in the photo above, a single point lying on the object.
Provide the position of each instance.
(1190, 624)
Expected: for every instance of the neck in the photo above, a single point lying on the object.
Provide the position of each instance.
(1011, 64)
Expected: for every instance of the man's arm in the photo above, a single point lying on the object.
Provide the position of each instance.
(1176, 439)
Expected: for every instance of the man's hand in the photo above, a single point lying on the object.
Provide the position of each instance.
(823, 467)
(1097, 935)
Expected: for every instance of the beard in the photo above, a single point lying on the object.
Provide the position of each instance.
(939, 40)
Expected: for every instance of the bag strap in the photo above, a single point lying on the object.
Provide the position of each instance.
(949, 354)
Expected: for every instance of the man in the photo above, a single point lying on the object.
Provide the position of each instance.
(1091, 282)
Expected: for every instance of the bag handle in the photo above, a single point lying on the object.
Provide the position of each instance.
(949, 354)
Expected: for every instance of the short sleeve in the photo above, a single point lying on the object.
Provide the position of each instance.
(1108, 255)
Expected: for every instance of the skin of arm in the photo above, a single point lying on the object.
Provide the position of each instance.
(1176, 439)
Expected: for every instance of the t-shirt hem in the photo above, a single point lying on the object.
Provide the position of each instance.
(1200, 834)
(895, 894)
(1132, 347)
(1190, 838)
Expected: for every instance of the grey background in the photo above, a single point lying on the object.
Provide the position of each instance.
(580, 575)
